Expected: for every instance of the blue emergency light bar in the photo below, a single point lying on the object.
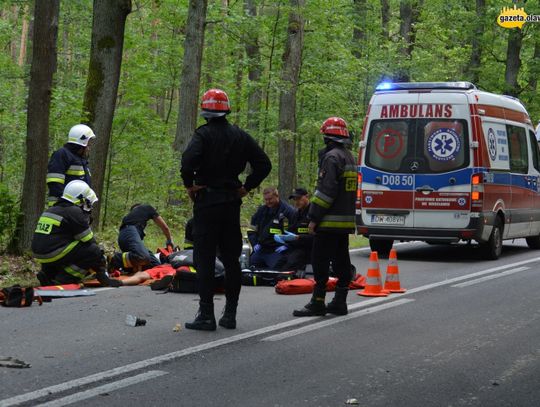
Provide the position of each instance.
(424, 85)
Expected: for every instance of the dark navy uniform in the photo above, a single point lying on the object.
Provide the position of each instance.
(333, 209)
(66, 165)
(266, 223)
(64, 244)
(299, 252)
(216, 155)
(130, 240)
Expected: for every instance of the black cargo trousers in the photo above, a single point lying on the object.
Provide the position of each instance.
(330, 247)
(216, 224)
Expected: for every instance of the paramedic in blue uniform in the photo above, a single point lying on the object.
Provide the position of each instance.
(214, 158)
(297, 237)
(332, 219)
(269, 220)
(70, 162)
(135, 256)
(64, 243)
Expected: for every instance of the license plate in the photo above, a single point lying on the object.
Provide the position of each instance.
(388, 219)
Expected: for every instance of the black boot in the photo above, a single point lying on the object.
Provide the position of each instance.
(204, 320)
(338, 306)
(315, 307)
(228, 320)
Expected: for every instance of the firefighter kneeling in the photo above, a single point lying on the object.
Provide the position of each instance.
(64, 243)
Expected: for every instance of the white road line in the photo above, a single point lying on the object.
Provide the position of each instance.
(468, 276)
(323, 324)
(22, 398)
(83, 395)
(491, 277)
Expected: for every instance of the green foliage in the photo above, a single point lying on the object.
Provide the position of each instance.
(8, 213)
(142, 166)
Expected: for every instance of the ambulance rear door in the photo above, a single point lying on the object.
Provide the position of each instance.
(387, 182)
(442, 182)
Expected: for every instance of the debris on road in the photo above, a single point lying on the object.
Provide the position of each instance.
(352, 402)
(132, 320)
(177, 328)
(12, 362)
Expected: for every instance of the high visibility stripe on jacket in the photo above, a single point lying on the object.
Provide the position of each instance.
(59, 230)
(55, 255)
(65, 165)
(333, 203)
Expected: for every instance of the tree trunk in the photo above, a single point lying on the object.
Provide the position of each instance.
(478, 33)
(292, 62)
(191, 74)
(254, 72)
(269, 80)
(408, 12)
(385, 18)
(359, 29)
(37, 122)
(24, 36)
(513, 62)
(108, 26)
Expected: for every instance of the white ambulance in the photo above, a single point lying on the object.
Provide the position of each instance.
(444, 162)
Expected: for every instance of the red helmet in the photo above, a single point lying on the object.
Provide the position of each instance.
(335, 128)
(215, 100)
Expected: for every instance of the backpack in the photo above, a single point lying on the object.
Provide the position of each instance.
(17, 296)
(185, 280)
(265, 277)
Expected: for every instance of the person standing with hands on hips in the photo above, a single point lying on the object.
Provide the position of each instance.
(331, 215)
(214, 158)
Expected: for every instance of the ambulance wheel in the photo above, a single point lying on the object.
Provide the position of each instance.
(382, 247)
(533, 242)
(492, 249)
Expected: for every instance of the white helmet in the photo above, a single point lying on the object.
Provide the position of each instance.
(80, 134)
(79, 193)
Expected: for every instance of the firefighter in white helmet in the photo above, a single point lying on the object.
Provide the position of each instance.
(64, 243)
(70, 162)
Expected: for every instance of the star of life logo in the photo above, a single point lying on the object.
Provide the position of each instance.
(492, 144)
(443, 145)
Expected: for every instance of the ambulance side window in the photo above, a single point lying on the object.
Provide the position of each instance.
(535, 151)
(517, 143)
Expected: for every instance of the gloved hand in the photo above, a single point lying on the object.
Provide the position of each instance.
(289, 237)
(115, 283)
(104, 279)
(279, 239)
(256, 248)
(281, 249)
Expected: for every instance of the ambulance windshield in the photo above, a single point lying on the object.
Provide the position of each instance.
(418, 145)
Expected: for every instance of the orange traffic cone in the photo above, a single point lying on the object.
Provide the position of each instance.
(391, 283)
(373, 279)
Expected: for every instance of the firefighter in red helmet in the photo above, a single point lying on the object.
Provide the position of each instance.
(331, 216)
(214, 158)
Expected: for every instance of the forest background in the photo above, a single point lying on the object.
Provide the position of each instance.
(286, 64)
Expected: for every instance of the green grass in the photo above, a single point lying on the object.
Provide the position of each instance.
(356, 242)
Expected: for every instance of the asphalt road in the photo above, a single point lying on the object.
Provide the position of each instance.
(464, 334)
